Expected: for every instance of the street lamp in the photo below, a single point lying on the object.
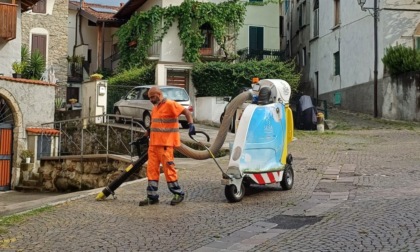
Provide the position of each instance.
(375, 38)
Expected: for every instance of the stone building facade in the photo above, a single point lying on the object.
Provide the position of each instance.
(53, 24)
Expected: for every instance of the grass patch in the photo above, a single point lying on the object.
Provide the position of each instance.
(12, 220)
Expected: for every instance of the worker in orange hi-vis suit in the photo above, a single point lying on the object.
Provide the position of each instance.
(164, 137)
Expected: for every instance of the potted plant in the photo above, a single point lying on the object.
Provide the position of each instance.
(18, 68)
(26, 155)
(72, 100)
(96, 76)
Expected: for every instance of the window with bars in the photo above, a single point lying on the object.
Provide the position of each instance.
(417, 42)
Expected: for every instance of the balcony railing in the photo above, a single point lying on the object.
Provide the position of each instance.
(154, 50)
(8, 21)
(247, 54)
(110, 63)
(75, 71)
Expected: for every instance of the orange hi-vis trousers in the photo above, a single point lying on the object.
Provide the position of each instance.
(161, 155)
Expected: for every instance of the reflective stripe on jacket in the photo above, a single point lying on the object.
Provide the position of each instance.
(164, 129)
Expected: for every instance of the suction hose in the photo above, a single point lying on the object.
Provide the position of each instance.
(221, 135)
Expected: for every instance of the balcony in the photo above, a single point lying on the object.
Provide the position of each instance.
(154, 51)
(206, 51)
(76, 71)
(211, 53)
(247, 54)
(8, 21)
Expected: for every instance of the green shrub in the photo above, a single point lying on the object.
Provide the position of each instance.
(121, 83)
(35, 67)
(210, 79)
(144, 75)
(223, 79)
(400, 59)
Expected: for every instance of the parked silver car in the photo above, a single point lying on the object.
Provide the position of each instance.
(136, 104)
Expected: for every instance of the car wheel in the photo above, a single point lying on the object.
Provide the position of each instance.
(233, 194)
(117, 114)
(288, 178)
(147, 120)
(184, 125)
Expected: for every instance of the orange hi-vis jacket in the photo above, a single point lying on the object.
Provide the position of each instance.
(164, 129)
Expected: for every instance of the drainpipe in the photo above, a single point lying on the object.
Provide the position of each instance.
(375, 70)
(103, 46)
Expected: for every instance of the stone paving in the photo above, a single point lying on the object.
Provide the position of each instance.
(356, 189)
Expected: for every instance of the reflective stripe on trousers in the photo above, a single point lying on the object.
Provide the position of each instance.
(161, 155)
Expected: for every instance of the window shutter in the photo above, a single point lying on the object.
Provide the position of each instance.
(256, 38)
(39, 42)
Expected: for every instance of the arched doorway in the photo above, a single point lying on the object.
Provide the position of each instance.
(6, 145)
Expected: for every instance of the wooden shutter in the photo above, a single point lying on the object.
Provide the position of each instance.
(39, 42)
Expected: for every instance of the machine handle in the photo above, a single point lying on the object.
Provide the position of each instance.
(200, 132)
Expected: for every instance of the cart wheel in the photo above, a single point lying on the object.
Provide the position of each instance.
(232, 194)
(288, 178)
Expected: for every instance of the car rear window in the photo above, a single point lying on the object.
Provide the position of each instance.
(176, 94)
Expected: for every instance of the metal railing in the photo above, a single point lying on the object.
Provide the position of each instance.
(248, 54)
(94, 135)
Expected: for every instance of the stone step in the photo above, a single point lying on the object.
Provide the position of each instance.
(24, 188)
(30, 182)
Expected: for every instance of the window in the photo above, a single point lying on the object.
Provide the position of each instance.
(40, 7)
(207, 32)
(281, 25)
(302, 14)
(133, 94)
(255, 1)
(256, 38)
(417, 43)
(72, 93)
(337, 63)
(336, 12)
(304, 56)
(316, 19)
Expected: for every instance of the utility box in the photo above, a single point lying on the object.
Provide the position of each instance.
(94, 96)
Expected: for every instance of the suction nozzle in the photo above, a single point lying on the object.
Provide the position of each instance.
(100, 196)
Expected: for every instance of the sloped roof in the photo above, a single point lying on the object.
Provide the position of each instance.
(129, 8)
(97, 12)
(42, 131)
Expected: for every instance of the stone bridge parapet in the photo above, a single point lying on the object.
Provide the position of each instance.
(75, 173)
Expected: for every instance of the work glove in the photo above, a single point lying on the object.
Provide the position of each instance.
(191, 131)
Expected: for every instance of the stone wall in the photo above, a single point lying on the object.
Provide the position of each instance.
(70, 173)
(398, 98)
(53, 24)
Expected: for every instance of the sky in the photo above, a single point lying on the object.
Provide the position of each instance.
(107, 2)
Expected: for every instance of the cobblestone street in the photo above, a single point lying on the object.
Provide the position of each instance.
(356, 189)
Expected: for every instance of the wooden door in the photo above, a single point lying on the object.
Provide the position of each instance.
(6, 146)
(178, 78)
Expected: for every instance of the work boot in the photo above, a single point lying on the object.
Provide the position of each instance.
(148, 201)
(178, 198)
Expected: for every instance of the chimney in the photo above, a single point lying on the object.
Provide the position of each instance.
(121, 4)
(82, 4)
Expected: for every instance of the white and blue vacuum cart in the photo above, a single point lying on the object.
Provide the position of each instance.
(259, 154)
